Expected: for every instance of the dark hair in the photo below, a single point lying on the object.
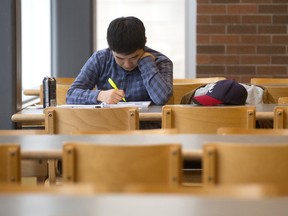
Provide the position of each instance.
(126, 35)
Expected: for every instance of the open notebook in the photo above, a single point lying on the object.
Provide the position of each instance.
(140, 104)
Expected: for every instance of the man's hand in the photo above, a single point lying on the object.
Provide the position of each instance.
(147, 54)
(111, 96)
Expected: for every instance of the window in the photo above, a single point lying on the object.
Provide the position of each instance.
(164, 22)
(35, 34)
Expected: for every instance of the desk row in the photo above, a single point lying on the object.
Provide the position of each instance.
(185, 118)
(158, 155)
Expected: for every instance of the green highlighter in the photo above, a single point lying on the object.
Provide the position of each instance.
(114, 86)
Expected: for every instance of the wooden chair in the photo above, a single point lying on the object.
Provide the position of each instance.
(37, 169)
(280, 119)
(61, 91)
(276, 91)
(200, 119)
(283, 100)
(68, 120)
(180, 89)
(39, 90)
(122, 164)
(203, 80)
(254, 131)
(147, 131)
(21, 132)
(234, 163)
(268, 81)
(10, 163)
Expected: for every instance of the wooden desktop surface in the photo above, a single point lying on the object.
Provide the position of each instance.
(153, 113)
(138, 204)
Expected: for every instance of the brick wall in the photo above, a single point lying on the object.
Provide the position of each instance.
(241, 39)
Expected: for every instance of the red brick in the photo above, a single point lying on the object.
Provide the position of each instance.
(241, 69)
(224, 59)
(211, 9)
(264, 70)
(256, 19)
(210, 29)
(271, 50)
(256, 1)
(280, 19)
(242, 9)
(256, 39)
(280, 60)
(241, 49)
(241, 29)
(225, 19)
(255, 59)
(203, 19)
(273, 9)
(203, 39)
(283, 39)
(269, 29)
(203, 59)
(210, 49)
(225, 39)
(210, 69)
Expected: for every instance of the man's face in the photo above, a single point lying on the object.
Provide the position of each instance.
(130, 61)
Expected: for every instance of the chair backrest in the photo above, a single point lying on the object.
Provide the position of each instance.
(280, 119)
(234, 163)
(275, 92)
(180, 89)
(67, 120)
(10, 163)
(61, 91)
(283, 100)
(65, 80)
(203, 80)
(268, 81)
(200, 119)
(30, 168)
(21, 132)
(146, 131)
(256, 131)
(122, 164)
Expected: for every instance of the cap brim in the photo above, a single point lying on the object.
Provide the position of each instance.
(206, 100)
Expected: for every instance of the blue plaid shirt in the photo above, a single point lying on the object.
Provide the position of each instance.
(152, 80)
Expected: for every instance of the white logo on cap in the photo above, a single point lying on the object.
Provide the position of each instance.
(211, 88)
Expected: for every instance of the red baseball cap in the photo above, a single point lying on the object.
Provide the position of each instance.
(227, 92)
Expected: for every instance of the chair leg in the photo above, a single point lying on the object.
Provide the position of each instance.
(52, 171)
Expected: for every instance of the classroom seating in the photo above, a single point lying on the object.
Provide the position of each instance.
(280, 119)
(243, 163)
(180, 89)
(202, 80)
(37, 169)
(275, 87)
(10, 163)
(282, 100)
(144, 131)
(275, 92)
(39, 91)
(122, 164)
(61, 91)
(252, 131)
(60, 120)
(200, 119)
(269, 81)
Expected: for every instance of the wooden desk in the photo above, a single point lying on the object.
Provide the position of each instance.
(153, 113)
(138, 204)
(33, 114)
(50, 146)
